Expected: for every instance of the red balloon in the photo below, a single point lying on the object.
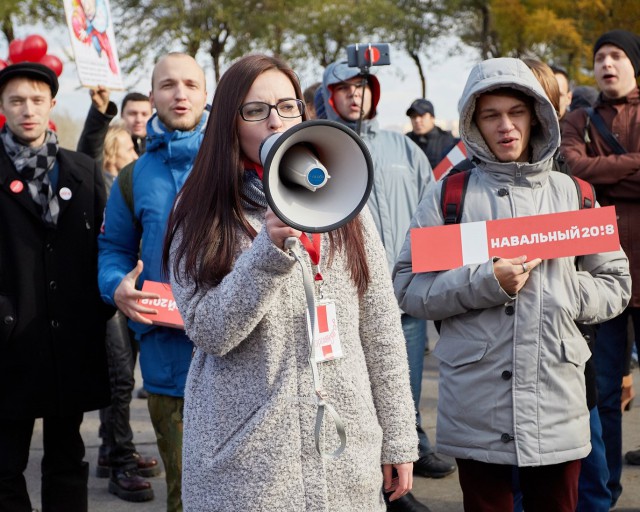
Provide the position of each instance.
(15, 51)
(3, 64)
(2, 120)
(34, 48)
(53, 62)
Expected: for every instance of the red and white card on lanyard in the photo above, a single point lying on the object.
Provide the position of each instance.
(325, 336)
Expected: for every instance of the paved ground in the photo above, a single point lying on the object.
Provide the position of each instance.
(440, 495)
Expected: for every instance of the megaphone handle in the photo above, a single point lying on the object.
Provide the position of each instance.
(290, 243)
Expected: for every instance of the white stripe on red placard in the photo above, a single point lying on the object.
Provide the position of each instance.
(475, 246)
(456, 155)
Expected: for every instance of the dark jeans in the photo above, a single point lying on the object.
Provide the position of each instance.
(593, 493)
(610, 356)
(64, 473)
(415, 336)
(489, 487)
(115, 430)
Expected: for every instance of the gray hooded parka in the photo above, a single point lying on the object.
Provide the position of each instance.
(511, 385)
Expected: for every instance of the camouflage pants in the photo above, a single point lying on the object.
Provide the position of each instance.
(166, 417)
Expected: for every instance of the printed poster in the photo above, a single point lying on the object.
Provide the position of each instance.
(93, 42)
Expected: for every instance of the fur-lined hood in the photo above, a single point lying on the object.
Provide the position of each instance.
(494, 74)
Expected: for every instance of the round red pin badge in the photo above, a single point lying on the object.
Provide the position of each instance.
(16, 186)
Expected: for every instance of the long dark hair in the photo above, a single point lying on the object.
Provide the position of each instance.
(208, 211)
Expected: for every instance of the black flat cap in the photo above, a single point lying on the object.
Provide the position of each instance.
(30, 70)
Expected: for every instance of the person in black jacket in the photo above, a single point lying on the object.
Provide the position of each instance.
(136, 111)
(118, 455)
(53, 362)
(434, 141)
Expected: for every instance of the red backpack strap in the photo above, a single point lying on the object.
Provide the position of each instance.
(454, 188)
(586, 193)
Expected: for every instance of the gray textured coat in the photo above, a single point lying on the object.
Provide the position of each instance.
(511, 369)
(249, 408)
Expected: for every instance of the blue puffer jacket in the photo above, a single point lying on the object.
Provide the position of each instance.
(158, 175)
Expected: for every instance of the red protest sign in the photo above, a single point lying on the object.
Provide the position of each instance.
(168, 314)
(548, 236)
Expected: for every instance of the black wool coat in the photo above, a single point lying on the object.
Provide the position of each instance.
(52, 321)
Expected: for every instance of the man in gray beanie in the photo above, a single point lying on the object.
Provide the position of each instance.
(604, 148)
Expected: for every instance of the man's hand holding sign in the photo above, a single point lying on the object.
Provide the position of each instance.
(513, 273)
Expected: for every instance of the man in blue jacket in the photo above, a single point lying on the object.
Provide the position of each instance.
(130, 248)
(401, 174)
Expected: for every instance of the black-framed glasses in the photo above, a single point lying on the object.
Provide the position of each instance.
(259, 111)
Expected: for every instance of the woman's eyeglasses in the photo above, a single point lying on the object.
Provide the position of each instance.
(259, 111)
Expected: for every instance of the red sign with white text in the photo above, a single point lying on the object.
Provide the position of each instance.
(555, 235)
(168, 314)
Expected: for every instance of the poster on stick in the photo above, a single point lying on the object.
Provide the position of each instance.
(166, 307)
(94, 43)
(554, 235)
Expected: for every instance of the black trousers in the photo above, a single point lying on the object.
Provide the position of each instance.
(64, 473)
(117, 438)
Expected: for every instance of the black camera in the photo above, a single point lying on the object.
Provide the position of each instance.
(364, 55)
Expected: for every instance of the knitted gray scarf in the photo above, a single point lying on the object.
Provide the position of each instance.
(33, 165)
(252, 191)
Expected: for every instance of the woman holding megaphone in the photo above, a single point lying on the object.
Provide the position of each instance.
(273, 421)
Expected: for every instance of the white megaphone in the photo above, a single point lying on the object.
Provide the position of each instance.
(317, 175)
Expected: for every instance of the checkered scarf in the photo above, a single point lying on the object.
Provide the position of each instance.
(34, 164)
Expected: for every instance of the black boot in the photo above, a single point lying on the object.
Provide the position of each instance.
(432, 466)
(130, 486)
(406, 503)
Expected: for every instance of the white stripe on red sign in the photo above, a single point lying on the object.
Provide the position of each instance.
(456, 155)
(475, 248)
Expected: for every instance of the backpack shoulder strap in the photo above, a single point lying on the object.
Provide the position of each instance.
(125, 183)
(605, 133)
(454, 188)
(586, 193)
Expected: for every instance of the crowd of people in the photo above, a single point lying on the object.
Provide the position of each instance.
(534, 354)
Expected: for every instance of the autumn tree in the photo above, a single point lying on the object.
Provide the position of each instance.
(556, 31)
(422, 22)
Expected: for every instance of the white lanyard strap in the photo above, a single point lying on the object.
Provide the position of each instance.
(322, 402)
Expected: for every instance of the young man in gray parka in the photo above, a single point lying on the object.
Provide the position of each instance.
(511, 391)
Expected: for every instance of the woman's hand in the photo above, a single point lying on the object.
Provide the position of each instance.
(401, 484)
(278, 231)
(512, 274)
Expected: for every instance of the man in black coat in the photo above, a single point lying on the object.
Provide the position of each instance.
(434, 141)
(52, 322)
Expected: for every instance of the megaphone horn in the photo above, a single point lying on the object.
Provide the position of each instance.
(317, 175)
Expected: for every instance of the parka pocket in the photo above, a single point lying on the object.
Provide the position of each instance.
(458, 352)
(8, 317)
(575, 350)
